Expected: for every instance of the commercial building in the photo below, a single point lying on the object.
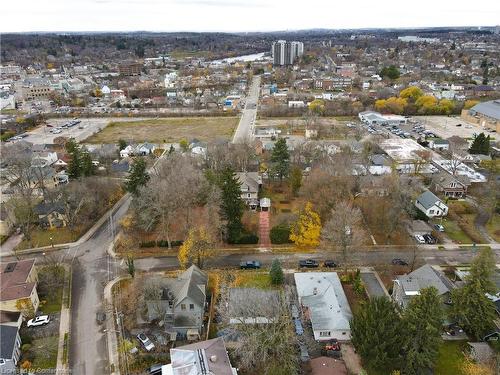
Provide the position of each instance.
(130, 68)
(485, 114)
(285, 53)
(36, 88)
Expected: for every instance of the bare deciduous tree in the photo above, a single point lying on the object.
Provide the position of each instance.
(344, 229)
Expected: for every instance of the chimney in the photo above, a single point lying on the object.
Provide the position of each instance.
(315, 291)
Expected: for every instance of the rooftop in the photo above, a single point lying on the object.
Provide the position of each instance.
(322, 292)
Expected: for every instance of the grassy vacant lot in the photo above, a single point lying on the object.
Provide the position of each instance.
(252, 279)
(450, 358)
(166, 130)
(459, 224)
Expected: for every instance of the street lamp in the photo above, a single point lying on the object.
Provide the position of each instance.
(51, 242)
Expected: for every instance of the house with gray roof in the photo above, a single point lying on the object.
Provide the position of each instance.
(325, 304)
(405, 287)
(431, 205)
(10, 340)
(250, 184)
(253, 305)
(179, 303)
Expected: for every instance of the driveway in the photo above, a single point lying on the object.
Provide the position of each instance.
(373, 286)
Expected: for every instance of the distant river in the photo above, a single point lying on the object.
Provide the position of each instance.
(229, 60)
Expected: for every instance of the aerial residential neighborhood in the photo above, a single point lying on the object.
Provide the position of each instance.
(317, 195)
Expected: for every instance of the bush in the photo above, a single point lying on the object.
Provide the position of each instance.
(419, 215)
(160, 243)
(280, 234)
(276, 273)
(286, 210)
(147, 244)
(247, 239)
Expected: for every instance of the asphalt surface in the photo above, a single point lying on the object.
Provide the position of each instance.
(244, 130)
(365, 258)
(92, 269)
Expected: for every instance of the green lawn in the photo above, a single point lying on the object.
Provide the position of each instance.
(253, 279)
(493, 227)
(456, 234)
(44, 352)
(450, 358)
(41, 237)
(52, 305)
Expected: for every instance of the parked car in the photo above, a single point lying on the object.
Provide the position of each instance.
(330, 264)
(155, 369)
(308, 263)
(38, 321)
(145, 341)
(100, 317)
(399, 262)
(419, 238)
(429, 239)
(295, 311)
(439, 227)
(250, 265)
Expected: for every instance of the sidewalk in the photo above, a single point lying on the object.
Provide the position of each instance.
(264, 240)
(7, 248)
(111, 329)
(64, 325)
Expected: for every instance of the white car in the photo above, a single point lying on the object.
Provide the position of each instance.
(420, 239)
(38, 321)
(145, 341)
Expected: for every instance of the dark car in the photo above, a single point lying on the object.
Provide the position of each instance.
(429, 239)
(250, 265)
(399, 262)
(330, 264)
(308, 263)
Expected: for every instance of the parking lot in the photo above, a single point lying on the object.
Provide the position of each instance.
(80, 132)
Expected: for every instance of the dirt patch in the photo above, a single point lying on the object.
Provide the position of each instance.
(167, 130)
(351, 359)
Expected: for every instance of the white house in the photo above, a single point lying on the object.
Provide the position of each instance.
(250, 183)
(126, 152)
(431, 205)
(145, 149)
(325, 304)
(440, 144)
(296, 104)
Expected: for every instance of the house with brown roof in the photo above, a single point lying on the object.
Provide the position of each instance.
(18, 285)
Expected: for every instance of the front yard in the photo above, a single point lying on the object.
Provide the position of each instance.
(46, 237)
(460, 223)
(450, 358)
(493, 227)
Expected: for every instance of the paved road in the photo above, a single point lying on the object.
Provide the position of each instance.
(245, 128)
(92, 269)
(372, 258)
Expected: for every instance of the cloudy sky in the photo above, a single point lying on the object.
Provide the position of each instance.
(240, 15)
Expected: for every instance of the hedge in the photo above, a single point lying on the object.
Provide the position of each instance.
(160, 243)
(246, 239)
(280, 234)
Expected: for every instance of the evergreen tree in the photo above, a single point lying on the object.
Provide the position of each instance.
(138, 176)
(480, 144)
(87, 168)
(121, 144)
(377, 334)
(276, 272)
(74, 164)
(295, 179)
(423, 320)
(483, 269)
(232, 205)
(281, 158)
(472, 309)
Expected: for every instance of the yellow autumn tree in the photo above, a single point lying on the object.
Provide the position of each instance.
(411, 92)
(317, 106)
(470, 103)
(469, 367)
(197, 248)
(306, 230)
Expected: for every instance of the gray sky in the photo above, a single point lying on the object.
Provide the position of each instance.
(240, 15)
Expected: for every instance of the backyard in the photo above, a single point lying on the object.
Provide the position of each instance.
(450, 358)
(167, 130)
